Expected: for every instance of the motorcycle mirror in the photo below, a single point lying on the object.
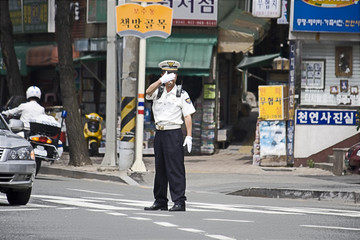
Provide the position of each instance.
(64, 114)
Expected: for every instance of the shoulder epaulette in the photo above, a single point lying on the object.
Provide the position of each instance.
(160, 91)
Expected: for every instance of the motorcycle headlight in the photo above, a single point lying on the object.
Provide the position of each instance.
(22, 153)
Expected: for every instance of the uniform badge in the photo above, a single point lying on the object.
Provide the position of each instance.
(188, 100)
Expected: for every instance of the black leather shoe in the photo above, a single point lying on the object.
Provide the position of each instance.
(178, 208)
(157, 206)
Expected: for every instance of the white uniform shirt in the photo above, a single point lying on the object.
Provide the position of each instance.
(169, 109)
(28, 111)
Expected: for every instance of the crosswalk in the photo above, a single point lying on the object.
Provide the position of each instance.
(123, 204)
(118, 205)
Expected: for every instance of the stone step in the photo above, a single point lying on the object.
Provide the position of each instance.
(325, 166)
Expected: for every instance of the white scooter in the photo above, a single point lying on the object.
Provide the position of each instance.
(44, 136)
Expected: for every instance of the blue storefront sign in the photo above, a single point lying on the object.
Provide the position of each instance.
(323, 117)
(327, 16)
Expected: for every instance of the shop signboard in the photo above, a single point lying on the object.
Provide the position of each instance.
(326, 117)
(326, 16)
(271, 102)
(150, 21)
(199, 13)
(32, 16)
(266, 9)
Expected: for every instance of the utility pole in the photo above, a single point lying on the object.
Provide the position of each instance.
(139, 165)
(110, 157)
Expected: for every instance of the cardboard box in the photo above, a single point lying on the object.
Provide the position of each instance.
(281, 64)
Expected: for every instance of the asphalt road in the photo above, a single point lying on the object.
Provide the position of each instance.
(64, 208)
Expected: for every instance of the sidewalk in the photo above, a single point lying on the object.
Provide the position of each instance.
(230, 172)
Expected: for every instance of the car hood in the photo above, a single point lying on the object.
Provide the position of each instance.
(9, 139)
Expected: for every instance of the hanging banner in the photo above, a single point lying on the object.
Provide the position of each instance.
(143, 22)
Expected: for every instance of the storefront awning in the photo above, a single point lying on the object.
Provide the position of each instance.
(256, 61)
(45, 55)
(90, 58)
(234, 41)
(239, 31)
(194, 52)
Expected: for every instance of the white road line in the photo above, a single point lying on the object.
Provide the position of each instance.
(96, 210)
(228, 220)
(276, 210)
(67, 208)
(220, 237)
(155, 214)
(201, 210)
(141, 218)
(79, 202)
(233, 208)
(130, 202)
(331, 227)
(116, 214)
(88, 191)
(165, 224)
(320, 211)
(192, 230)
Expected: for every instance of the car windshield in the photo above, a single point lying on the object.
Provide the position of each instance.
(3, 124)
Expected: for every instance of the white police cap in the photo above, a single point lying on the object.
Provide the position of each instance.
(169, 65)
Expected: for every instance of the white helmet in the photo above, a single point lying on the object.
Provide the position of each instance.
(33, 91)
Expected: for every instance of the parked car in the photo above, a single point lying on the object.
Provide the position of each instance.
(17, 163)
(352, 158)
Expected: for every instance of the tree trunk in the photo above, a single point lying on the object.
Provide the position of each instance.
(13, 77)
(79, 154)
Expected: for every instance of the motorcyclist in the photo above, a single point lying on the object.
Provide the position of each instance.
(29, 109)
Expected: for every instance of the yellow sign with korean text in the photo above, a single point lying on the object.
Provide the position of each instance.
(143, 22)
(273, 102)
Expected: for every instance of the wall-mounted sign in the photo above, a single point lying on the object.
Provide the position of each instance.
(313, 74)
(150, 21)
(209, 91)
(323, 117)
(32, 16)
(200, 13)
(326, 16)
(271, 102)
(266, 9)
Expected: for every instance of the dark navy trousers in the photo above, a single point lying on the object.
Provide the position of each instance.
(169, 166)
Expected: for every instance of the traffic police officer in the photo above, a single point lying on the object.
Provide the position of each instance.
(170, 104)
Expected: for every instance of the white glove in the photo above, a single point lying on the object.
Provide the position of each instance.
(188, 142)
(4, 113)
(167, 77)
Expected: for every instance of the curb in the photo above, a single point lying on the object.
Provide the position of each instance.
(353, 197)
(80, 174)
